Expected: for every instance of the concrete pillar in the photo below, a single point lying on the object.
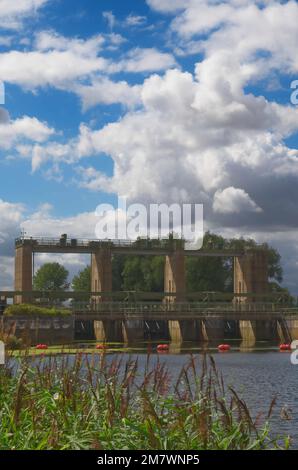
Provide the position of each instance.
(101, 281)
(291, 328)
(133, 331)
(258, 330)
(251, 274)
(284, 331)
(184, 330)
(101, 272)
(109, 331)
(174, 278)
(23, 272)
(213, 330)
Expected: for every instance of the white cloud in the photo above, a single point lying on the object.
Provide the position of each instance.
(233, 200)
(105, 91)
(54, 67)
(12, 13)
(14, 217)
(11, 216)
(110, 18)
(76, 65)
(168, 6)
(135, 20)
(24, 128)
(50, 40)
(186, 142)
(144, 60)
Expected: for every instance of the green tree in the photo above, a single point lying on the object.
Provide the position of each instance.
(208, 273)
(275, 270)
(144, 273)
(51, 277)
(118, 263)
(82, 281)
(216, 274)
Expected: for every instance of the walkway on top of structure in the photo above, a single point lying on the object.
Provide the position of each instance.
(139, 247)
(181, 311)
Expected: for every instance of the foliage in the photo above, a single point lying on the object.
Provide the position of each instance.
(58, 403)
(216, 274)
(11, 341)
(51, 277)
(34, 310)
(82, 281)
(146, 273)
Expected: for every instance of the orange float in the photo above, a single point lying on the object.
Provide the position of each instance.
(285, 347)
(224, 347)
(162, 347)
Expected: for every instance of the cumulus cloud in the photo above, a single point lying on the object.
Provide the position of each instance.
(106, 91)
(15, 217)
(12, 13)
(110, 19)
(135, 20)
(41, 68)
(233, 200)
(11, 217)
(77, 65)
(145, 60)
(178, 146)
(23, 129)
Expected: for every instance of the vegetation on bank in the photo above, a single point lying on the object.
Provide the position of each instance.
(90, 402)
(35, 310)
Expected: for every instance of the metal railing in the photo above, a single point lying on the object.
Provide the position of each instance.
(180, 307)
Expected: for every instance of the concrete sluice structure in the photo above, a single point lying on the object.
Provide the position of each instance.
(250, 277)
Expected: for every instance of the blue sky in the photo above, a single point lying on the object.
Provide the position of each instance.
(155, 100)
(62, 110)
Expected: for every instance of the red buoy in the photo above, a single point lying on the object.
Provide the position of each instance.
(162, 347)
(285, 347)
(101, 346)
(41, 346)
(224, 347)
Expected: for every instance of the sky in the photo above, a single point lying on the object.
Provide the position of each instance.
(158, 101)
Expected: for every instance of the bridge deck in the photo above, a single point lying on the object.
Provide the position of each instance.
(181, 311)
(126, 247)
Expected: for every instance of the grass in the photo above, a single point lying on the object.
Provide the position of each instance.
(34, 310)
(96, 402)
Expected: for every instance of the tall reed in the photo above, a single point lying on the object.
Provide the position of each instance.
(98, 402)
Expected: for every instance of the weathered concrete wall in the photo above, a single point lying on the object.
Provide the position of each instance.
(174, 277)
(133, 330)
(108, 331)
(34, 330)
(212, 330)
(184, 330)
(101, 272)
(258, 330)
(23, 271)
(292, 325)
(251, 273)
